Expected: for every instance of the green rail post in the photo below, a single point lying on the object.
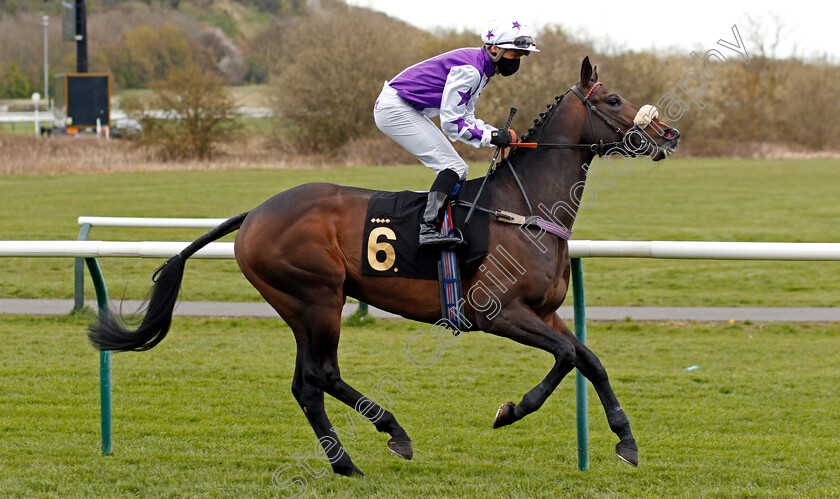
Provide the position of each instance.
(104, 357)
(79, 294)
(580, 381)
(363, 309)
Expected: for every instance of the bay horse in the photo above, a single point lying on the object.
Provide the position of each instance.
(302, 250)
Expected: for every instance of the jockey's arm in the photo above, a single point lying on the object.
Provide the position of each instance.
(457, 108)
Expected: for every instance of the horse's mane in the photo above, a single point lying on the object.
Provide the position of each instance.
(533, 132)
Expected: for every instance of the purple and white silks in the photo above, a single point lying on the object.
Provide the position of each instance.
(449, 85)
(416, 133)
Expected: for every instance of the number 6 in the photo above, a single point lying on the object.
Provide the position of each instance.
(374, 247)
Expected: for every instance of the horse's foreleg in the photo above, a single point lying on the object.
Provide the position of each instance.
(524, 326)
(590, 366)
(510, 413)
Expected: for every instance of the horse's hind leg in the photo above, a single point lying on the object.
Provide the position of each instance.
(591, 368)
(321, 370)
(314, 314)
(308, 336)
(311, 401)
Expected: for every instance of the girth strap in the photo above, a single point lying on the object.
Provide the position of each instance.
(529, 221)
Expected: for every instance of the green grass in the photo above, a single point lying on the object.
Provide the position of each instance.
(716, 200)
(22, 128)
(208, 413)
(729, 200)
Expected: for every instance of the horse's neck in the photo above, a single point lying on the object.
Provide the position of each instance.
(553, 179)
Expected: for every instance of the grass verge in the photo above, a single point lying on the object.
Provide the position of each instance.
(208, 413)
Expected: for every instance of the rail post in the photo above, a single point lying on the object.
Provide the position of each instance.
(580, 381)
(79, 293)
(104, 357)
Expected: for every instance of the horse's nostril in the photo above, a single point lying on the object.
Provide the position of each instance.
(671, 133)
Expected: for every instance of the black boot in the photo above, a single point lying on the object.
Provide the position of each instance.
(430, 234)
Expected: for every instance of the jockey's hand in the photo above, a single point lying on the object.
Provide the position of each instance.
(501, 138)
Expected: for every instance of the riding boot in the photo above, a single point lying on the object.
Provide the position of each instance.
(430, 225)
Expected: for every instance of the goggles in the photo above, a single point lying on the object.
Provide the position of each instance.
(522, 42)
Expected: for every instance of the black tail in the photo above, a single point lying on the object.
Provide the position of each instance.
(112, 332)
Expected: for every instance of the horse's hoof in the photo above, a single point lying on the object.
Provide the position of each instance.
(401, 448)
(350, 471)
(505, 415)
(628, 452)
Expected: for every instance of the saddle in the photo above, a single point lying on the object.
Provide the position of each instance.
(391, 236)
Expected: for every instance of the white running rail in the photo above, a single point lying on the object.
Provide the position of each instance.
(577, 249)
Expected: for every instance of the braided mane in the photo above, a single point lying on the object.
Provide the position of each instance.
(533, 132)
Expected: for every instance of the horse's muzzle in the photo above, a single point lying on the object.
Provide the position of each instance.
(672, 140)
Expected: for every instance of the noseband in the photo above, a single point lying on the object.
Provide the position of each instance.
(600, 148)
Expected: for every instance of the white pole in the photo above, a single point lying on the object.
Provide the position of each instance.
(704, 250)
(46, 22)
(707, 250)
(36, 97)
(99, 249)
(181, 223)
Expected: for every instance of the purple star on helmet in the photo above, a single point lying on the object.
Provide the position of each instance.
(516, 25)
(465, 97)
(490, 34)
(461, 122)
(475, 132)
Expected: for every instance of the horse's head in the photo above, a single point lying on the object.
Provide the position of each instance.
(617, 125)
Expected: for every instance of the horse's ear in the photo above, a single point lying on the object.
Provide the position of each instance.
(585, 72)
(594, 75)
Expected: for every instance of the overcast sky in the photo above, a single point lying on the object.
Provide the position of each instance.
(808, 30)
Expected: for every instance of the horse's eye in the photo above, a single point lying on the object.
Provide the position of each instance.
(614, 101)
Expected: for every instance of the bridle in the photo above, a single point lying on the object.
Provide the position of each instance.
(600, 147)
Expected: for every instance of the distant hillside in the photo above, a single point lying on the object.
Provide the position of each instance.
(53, 7)
(139, 41)
(326, 63)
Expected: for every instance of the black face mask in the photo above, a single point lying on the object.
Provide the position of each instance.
(507, 66)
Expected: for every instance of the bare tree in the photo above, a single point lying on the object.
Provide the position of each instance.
(326, 90)
(198, 114)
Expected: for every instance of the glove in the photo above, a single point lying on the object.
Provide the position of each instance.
(501, 138)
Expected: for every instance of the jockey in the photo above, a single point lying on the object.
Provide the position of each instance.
(449, 85)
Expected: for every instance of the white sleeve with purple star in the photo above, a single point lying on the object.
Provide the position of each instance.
(457, 107)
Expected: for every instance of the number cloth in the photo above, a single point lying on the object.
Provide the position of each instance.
(390, 245)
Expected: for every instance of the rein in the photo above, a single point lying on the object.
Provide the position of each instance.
(600, 147)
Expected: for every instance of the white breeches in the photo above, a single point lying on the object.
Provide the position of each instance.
(417, 134)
